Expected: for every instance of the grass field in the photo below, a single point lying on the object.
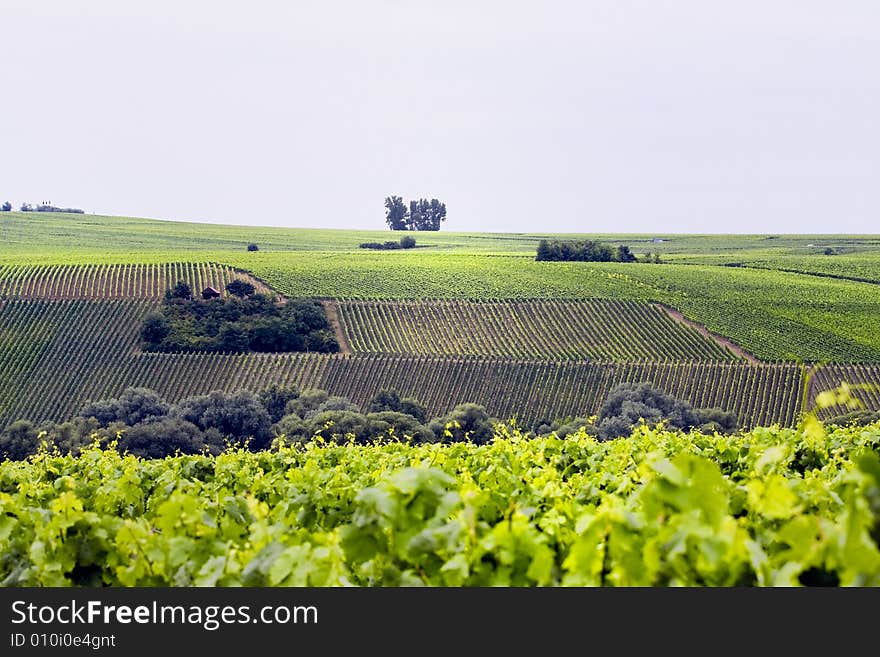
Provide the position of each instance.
(79, 237)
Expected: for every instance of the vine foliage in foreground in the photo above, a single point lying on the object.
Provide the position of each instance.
(768, 507)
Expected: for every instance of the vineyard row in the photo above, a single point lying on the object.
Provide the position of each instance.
(101, 282)
(598, 329)
(57, 356)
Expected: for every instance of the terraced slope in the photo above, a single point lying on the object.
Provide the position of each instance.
(597, 329)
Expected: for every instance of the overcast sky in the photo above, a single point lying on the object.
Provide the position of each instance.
(591, 115)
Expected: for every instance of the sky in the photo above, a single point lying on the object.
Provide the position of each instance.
(755, 116)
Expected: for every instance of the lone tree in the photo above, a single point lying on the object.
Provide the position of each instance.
(253, 247)
(240, 288)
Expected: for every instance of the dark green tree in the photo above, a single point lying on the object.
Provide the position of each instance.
(167, 436)
(434, 213)
(18, 441)
(623, 254)
(414, 216)
(239, 416)
(240, 288)
(464, 422)
(388, 399)
(544, 251)
(155, 329)
(275, 399)
(232, 339)
(630, 403)
(134, 405)
(395, 213)
(181, 290)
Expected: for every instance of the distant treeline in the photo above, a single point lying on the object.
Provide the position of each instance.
(587, 251)
(27, 207)
(583, 251)
(404, 243)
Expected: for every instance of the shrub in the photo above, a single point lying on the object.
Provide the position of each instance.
(253, 247)
(859, 418)
(406, 242)
(18, 441)
(254, 322)
(464, 422)
(340, 426)
(132, 406)
(240, 288)
(275, 399)
(630, 403)
(401, 425)
(164, 437)
(239, 416)
(337, 404)
(307, 403)
(582, 251)
(293, 428)
(389, 399)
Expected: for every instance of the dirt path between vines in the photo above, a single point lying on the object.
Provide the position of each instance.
(333, 317)
(720, 339)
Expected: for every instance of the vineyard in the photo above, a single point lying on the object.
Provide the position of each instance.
(103, 282)
(535, 391)
(543, 329)
(71, 352)
(775, 507)
(864, 378)
(773, 315)
(69, 335)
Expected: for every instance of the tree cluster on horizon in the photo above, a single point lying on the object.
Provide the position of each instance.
(419, 215)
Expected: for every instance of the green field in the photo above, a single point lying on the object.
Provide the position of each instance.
(759, 326)
(463, 317)
(75, 351)
(79, 237)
